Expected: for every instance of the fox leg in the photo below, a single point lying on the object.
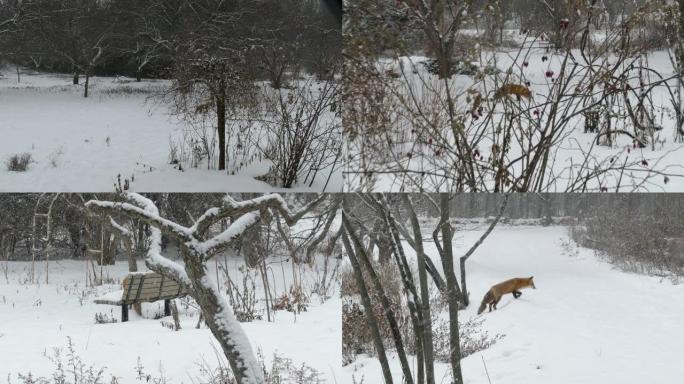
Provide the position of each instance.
(517, 294)
(492, 304)
(496, 301)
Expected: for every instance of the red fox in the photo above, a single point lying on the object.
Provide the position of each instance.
(518, 90)
(513, 286)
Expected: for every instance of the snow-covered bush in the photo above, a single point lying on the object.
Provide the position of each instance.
(472, 338)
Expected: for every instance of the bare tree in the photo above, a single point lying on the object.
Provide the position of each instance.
(78, 32)
(198, 246)
(357, 253)
(303, 129)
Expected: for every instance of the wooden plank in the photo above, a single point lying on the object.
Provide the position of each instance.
(154, 299)
(149, 287)
(156, 296)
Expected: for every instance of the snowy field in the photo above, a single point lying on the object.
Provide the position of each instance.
(80, 144)
(585, 323)
(413, 164)
(34, 319)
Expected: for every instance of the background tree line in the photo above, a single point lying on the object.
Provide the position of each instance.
(390, 24)
(147, 38)
(75, 231)
(540, 205)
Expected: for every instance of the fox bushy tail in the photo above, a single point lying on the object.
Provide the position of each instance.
(487, 298)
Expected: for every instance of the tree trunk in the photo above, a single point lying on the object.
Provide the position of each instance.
(220, 320)
(426, 326)
(680, 51)
(384, 247)
(368, 307)
(85, 88)
(452, 291)
(221, 126)
(413, 300)
(384, 300)
(174, 314)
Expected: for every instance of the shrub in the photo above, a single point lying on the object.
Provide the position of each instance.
(473, 338)
(356, 336)
(19, 162)
(103, 318)
(295, 301)
(70, 369)
(641, 243)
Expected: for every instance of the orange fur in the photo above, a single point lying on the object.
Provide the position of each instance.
(513, 286)
(513, 89)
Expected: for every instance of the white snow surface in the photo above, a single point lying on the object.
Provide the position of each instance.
(37, 318)
(586, 322)
(83, 144)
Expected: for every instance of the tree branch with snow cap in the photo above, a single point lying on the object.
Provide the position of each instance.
(196, 250)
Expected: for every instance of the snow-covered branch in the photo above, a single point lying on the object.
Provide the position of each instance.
(150, 214)
(145, 214)
(233, 208)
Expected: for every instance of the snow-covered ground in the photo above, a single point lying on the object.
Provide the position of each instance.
(585, 323)
(82, 144)
(654, 169)
(37, 318)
